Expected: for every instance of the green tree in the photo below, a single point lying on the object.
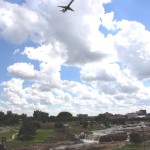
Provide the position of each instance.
(11, 118)
(91, 123)
(41, 116)
(2, 118)
(64, 117)
(101, 117)
(84, 124)
(59, 125)
(23, 116)
(52, 118)
(135, 137)
(27, 130)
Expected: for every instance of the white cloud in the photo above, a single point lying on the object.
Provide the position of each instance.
(42, 19)
(18, 23)
(132, 45)
(112, 67)
(54, 54)
(24, 71)
(108, 21)
(14, 92)
(100, 72)
(50, 58)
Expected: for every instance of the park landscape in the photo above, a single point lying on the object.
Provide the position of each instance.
(44, 132)
(84, 57)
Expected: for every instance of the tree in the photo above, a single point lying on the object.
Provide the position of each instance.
(2, 117)
(64, 117)
(119, 121)
(135, 137)
(27, 130)
(23, 116)
(40, 116)
(91, 123)
(84, 124)
(52, 118)
(59, 125)
(101, 117)
(11, 119)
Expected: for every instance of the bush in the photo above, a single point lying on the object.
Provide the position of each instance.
(135, 137)
(105, 138)
(59, 125)
(113, 137)
(27, 130)
(119, 137)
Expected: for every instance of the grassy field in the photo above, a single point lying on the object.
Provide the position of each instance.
(42, 134)
(39, 139)
(142, 146)
(75, 127)
(8, 134)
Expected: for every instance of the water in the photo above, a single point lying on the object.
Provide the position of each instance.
(89, 141)
(63, 147)
(94, 137)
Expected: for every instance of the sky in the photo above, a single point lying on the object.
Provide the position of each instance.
(90, 61)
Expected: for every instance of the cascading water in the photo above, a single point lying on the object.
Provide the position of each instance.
(95, 135)
(92, 137)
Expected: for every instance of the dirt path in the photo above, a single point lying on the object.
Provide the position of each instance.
(14, 135)
(7, 129)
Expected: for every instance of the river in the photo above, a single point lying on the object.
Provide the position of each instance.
(93, 137)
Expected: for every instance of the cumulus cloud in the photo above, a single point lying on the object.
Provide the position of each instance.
(23, 70)
(14, 92)
(18, 23)
(101, 72)
(133, 46)
(112, 68)
(38, 20)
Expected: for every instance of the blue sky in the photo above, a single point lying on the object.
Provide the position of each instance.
(53, 62)
(133, 10)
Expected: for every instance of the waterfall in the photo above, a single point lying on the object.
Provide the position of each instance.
(92, 137)
(95, 135)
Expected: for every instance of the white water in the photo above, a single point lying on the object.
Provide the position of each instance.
(95, 136)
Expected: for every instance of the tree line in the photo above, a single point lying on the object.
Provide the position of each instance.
(29, 124)
(10, 118)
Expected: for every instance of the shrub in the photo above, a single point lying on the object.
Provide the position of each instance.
(119, 137)
(113, 137)
(27, 130)
(105, 138)
(135, 137)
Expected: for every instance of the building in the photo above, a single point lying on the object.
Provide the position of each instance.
(142, 112)
(148, 115)
(132, 115)
(138, 114)
(113, 117)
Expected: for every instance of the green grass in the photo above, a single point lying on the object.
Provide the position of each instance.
(38, 139)
(136, 146)
(8, 134)
(42, 134)
(18, 144)
(74, 127)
